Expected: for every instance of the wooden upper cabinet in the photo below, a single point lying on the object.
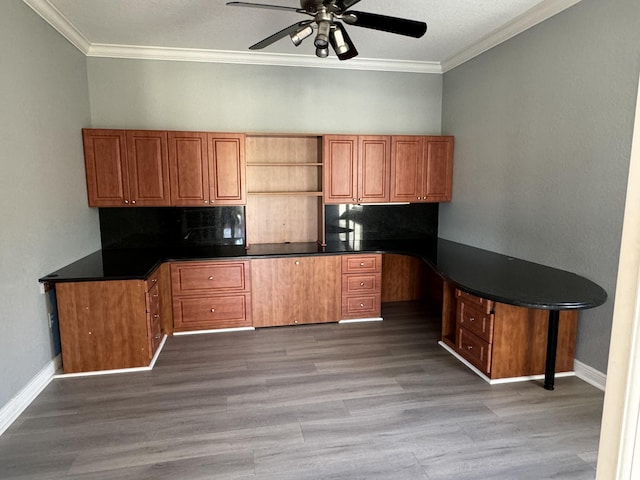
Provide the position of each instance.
(421, 169)
(227, 169)
(189, 169)
(126, 167)
(148, 163)
(105, 157)
(374, 169)
(406, 169)
(438, 178)
(356, 168)
(340, 158)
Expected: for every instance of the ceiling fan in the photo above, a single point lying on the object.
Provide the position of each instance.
(328, 16)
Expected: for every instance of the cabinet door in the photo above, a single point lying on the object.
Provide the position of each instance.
(406, 169)
(103, 325)
(105, 156)
(374, 169)
(148, 163)
(290, 291)
(340, 158)
(189, 170)
(227, 169)
(438, 174)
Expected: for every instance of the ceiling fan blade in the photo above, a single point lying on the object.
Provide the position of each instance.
(345, 4)
(262, 5)
(352, 52)
(401, 26)
(278, 35)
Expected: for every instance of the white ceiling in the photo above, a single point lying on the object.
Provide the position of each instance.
(209, 30)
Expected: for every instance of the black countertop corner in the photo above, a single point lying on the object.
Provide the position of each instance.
(481, 272)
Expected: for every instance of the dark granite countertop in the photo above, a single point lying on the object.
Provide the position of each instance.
(481, 272)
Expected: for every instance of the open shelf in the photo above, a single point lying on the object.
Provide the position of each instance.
(284, 201)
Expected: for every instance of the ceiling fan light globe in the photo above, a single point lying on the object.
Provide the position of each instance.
(339, 43)
(322, 38)
(322, 52)
(301, 34)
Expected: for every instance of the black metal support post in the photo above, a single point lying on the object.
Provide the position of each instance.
(552, 347)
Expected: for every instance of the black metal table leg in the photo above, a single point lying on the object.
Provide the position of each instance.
(552, 347)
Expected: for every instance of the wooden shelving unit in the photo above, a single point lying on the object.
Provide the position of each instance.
(284, 189)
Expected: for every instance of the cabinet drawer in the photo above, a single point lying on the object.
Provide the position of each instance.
(474, 349)
(361, 306)
(357, 284)
(210, 277)
(153, 279)
(482, 303)
(472, 318)
(361, 263)
(155, 332)
(210, 312)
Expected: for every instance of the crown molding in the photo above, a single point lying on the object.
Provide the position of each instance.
(534, 16)
(530, 18)
(57, 20)
(257, 58)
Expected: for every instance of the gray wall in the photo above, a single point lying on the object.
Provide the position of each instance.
(543, 127)
(44, 219)
(247, 98)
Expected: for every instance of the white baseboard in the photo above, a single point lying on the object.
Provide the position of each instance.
(590, 375)
(18, 404)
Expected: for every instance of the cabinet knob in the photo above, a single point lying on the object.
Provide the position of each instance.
(133, 201)
(211, 277)
(297, 262)
(472, 319)
(362, 284)
(213, 310)
(362, 264)
(126, 201)
(419, 198)
(156, 316)
(355, 200)
(362, 304)
(206, 201)
(469, 347)
(158, 337)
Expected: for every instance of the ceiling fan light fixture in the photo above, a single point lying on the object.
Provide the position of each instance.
(300, 35)
(338, 41)
(322, 38)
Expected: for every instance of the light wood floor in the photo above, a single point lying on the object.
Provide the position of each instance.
(357, 401)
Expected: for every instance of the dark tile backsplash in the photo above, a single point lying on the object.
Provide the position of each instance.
(346, 223)
(149, 227)
(170, 227)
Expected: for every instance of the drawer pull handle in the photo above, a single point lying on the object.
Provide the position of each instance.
(472, 319)
(211, 277)
(469, 347)
(213, 310)
(362, 284)
(155, 295)
(156, 316)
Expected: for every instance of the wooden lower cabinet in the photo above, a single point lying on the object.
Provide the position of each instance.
(361, 286)
(109, 324)
(211, 295)
(296, 290)
(505, 341)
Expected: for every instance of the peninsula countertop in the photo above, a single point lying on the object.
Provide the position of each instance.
(487, 274)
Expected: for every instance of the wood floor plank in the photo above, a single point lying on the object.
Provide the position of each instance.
(370, 401)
